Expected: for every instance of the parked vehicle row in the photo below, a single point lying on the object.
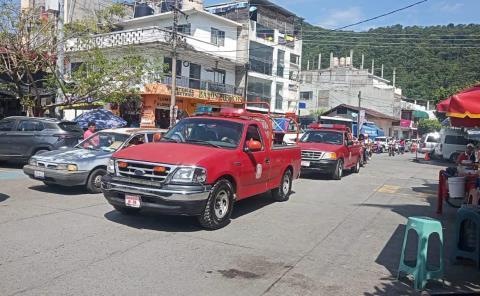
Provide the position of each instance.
(200, 167)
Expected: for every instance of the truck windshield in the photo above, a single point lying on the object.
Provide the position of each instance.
(205, 131)
(327, 137)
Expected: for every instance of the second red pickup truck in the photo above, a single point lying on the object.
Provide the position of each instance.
(330, 149)
(202, 166)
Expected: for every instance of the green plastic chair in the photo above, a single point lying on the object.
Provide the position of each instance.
(424, 227)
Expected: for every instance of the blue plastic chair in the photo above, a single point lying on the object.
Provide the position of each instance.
(424, 227)
(464, 215)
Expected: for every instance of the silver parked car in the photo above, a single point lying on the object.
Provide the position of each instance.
(85, 164)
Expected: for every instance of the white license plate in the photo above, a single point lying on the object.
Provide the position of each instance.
(305, 163)
(133, 201)
(39, 174)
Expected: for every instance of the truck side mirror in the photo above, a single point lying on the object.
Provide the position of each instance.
(254, 146)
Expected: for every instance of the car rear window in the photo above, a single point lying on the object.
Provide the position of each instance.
(70, 127)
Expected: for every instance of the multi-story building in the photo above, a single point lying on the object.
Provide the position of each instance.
(341, 83)
(73, 9)
(207, 63)
(270, 47)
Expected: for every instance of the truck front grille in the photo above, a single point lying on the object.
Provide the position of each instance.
(311, 155)
(143, 170)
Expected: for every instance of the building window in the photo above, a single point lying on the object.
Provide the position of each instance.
(265, 33)
(261, 58)
(168, 69)
(306, 95)
(259, 90)
(280, 63)
(279, 97)
(217, 37)
(183, 29)
(294, 59)
(342, 110)
(219, 76)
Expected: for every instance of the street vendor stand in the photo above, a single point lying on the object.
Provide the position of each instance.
(463, 110)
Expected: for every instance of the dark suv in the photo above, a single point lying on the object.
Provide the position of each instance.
(21, 137)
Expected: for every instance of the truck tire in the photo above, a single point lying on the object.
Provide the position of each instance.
(282, 192)
(127, 211)
(95, 180)
(338, 173)
(219, 206)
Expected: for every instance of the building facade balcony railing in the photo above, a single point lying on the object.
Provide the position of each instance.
(118, 39)
(199, 84)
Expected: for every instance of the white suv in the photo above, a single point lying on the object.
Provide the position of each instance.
(428, 142)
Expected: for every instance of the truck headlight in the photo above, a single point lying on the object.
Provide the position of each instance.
(111, 166)
(330, 155)
(189, 175)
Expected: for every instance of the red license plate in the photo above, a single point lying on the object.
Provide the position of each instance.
(133, 201)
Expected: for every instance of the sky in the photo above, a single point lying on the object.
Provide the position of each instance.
(332, 14)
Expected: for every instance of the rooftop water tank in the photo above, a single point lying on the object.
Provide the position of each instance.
(142, 9)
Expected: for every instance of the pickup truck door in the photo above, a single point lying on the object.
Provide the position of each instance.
(6, 126)
(255, 166)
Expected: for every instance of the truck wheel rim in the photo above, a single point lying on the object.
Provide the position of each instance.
(221, 204)
(286, 183)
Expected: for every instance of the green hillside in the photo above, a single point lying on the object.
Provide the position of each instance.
(430, 62)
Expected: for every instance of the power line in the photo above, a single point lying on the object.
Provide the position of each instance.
(382, 15)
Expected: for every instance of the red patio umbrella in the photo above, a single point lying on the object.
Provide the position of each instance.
(463, 108)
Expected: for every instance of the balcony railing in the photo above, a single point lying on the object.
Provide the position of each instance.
(117, 39)
(197, 84)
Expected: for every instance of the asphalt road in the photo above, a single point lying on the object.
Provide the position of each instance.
(330, 238)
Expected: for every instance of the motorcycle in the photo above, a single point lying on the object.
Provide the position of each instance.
(391, 149)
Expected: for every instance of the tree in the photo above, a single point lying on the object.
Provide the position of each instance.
(318, 112)
(426, 126)
(28, 47)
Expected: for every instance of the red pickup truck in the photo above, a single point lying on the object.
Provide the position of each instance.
(329, 148)
(202, 166)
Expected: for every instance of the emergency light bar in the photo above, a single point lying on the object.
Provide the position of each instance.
(328, 126)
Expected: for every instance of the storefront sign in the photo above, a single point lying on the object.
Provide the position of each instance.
(406, 123)
(190, 93)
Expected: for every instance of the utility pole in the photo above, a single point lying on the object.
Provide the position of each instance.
(60, 53)
(173, 102)
(358, 115)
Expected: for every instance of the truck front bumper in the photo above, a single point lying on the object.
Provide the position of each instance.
(168, 199)
(321, 166)
(60, 177)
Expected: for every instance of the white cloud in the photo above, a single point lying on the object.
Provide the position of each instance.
(341, 17)
(449, 6)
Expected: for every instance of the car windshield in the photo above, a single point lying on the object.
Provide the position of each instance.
(380, 139)
(204, 131)
(106, 141)
(327, 137)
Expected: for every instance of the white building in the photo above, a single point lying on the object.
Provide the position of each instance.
(207, 59)
(269, 42)
(341, 83)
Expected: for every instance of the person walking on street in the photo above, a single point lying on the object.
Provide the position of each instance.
(391, 147)
(90, 130)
